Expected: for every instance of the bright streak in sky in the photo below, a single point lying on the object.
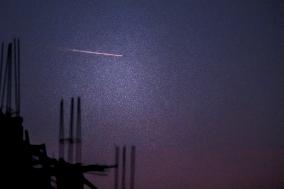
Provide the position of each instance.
(94, 52)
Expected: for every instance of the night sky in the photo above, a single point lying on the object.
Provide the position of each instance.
(199, 89)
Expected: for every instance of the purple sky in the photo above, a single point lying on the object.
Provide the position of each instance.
(199, 89)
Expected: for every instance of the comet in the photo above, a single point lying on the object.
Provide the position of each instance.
(93, 52)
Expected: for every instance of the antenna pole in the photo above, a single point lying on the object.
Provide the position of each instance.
(78, 132)
(4, 88)
(18, 77)
(15, 76)
(9, 85)
(61, 131)
(1, 67)
(71, 140)
(123, 167)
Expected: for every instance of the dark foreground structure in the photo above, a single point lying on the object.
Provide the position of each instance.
(26, 165)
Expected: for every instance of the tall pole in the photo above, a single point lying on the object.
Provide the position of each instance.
(9, 82)
(71, 141)
(19, 76)
(15, 75)
(123, 167)
(61, 131)
(1, 67)
(78, 133)
(4, 88)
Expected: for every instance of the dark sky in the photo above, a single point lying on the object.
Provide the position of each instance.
(199, 89)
